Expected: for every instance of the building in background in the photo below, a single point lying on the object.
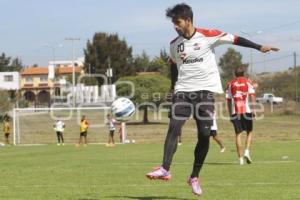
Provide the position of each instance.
(9, 81)
(45, 85)
(37, 87)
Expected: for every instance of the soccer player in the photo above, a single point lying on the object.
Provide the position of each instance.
(214, 134)
(193, 61)
(6, 129)
(239, 92)
(59, 127)
(111, 128)
(84, 125)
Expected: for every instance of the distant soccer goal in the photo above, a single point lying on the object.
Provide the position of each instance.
(34, 126)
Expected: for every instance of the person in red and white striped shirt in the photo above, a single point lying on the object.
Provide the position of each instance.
(240, 96)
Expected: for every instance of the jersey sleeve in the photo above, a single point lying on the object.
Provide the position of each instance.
(223, 38)
(217, 37)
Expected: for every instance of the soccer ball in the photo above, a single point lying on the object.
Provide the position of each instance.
(122, 109)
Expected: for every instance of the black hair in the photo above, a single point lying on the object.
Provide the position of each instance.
(239, 71)
(182, 11)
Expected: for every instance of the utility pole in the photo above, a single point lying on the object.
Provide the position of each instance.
(73, 70)
(296, 76)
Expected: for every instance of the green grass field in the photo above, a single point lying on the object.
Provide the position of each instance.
(96, 172)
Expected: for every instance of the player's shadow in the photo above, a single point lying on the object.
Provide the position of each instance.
(148, 198)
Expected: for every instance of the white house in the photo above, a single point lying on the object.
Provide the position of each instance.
(9, 80)
(63, 64)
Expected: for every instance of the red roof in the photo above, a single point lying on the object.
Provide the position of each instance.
(68, 70)
(35, 71)
(44, 70)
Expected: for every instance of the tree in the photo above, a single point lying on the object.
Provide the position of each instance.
(7, 64)
(279, 83)
(148, 89)
(4, 102)
(161, 64)
(228, 62)
(104, 46)
(142, 62)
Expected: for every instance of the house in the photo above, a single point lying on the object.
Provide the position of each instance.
(36, 86)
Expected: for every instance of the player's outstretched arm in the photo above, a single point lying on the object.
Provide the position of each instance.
(266, 49)
(240, 41)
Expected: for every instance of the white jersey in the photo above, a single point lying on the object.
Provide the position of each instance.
(59, 126)
(196, 62)
(111, 124)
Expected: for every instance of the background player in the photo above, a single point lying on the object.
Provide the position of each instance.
(239, 92)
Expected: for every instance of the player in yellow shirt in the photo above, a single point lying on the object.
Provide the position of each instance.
(84, 125)
(6, 129)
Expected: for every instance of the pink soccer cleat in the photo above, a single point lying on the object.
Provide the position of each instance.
(159, 173)
(194, 183)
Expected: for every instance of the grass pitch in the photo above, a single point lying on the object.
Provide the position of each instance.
(97, 172)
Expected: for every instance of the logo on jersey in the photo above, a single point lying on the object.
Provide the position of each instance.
(182, 56)
(191, 61)
(196, 46)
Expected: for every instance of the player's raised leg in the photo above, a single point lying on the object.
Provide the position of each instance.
(169, 150)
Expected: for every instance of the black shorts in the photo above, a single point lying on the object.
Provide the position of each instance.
(242, 122)
(199, 104)
(58, 133)
(6, 135)
(111, 133)
(84, 134)
(213, 133)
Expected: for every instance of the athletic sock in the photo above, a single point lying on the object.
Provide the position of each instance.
(241, 160)
(247, 152)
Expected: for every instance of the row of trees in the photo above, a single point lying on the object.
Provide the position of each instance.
(105, 48)
(285, 84)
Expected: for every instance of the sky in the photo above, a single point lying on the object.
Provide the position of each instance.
(31, 29)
